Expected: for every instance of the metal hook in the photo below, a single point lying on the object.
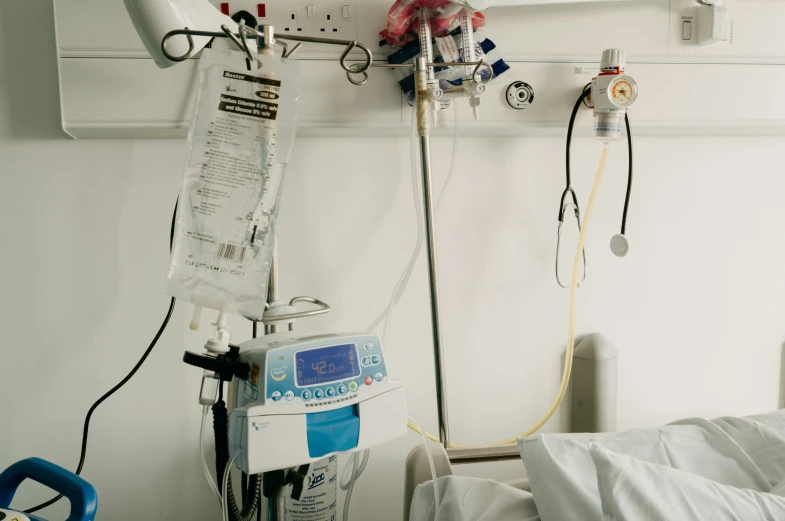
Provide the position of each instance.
(269, 40)
(185, 56)
(285, 48)
(363, 81)
(562, 209)
(244, 39)
(286, 52)
(357, 68)
(229, 34)
(242, 45)
(476, 73)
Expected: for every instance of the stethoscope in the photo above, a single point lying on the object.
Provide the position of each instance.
(620, 245)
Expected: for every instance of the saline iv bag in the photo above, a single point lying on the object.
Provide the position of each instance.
(238, 148)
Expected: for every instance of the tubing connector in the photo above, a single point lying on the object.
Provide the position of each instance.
(219, 344)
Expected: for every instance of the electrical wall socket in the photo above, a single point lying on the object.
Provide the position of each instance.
(321, 18)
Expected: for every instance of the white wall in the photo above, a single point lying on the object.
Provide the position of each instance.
(695, 310)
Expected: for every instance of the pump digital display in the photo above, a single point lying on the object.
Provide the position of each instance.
(326, 364)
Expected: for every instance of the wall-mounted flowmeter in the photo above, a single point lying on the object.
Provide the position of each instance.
(612, 92)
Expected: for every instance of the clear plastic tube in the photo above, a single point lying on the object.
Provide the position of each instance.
(357, 470)
(576, 266)
(205, 467)
(400, 286)
(436, 494)
(225, 486)
(403, 280)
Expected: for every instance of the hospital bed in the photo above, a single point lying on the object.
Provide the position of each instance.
(727, 469)
(593, 409)
(694, 469)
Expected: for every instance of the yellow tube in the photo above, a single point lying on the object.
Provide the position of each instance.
(565, 381)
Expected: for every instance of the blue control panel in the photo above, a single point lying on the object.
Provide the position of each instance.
(324, 373)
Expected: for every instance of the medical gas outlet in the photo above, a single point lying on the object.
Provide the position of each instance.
(612, 93)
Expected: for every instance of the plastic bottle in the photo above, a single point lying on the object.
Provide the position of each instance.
(319, 501)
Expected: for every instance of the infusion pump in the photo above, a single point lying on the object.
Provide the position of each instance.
(312, 395)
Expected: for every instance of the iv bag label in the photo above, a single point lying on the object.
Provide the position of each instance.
(252, 79)
(233, 176)
(248, 107)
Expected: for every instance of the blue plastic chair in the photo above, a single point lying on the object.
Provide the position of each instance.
(81, 494)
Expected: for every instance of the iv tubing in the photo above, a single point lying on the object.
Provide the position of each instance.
(436, 494)
(400, 286)
(357, 470)
(225, 487)
(565, 381)
(571, 325)
(205, 468)
(403, 280)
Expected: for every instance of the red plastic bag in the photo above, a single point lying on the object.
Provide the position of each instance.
(403, 24)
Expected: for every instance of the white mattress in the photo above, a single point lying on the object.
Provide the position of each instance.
(739, 454)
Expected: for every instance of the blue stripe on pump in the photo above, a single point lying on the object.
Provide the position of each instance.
(333, 431)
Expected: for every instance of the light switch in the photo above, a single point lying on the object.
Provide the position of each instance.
(686, 30)
(310, 11)
(346, 12)
(713, 22)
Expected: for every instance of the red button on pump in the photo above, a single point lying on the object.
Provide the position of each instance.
(261, 10)
(225, 8)
(368, 380)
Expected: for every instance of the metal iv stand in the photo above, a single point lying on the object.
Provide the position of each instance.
(427, 93)
(427, 102)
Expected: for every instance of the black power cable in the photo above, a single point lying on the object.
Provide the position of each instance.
(117, 387)
(629, 176)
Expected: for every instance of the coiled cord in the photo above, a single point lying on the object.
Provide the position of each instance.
(254, 491)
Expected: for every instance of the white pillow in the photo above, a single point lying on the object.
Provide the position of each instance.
(762, 437)
(473, 499)
(564, 479)
(633, 490)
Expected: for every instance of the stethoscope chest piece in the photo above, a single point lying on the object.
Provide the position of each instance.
(620, 246)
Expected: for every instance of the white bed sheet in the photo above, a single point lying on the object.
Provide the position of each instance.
(473, 499)
(726, 455)
(564, 479)
(633, 490)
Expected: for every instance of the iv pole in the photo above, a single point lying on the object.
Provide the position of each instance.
(426, 90)
(427, 95)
